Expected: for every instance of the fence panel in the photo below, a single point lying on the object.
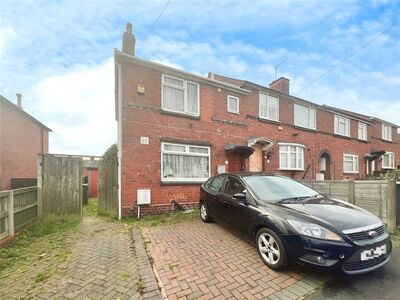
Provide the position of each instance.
(108, 187)
(61, 185)
(18, 208)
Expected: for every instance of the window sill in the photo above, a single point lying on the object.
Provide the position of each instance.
(177, 114)
(363, 141)
(348, 172)
(234, 112)
(305, 128)
(197, 183)
(297, 170)
(268, 121)
(342, 136)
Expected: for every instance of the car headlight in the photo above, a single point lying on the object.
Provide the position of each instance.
(314, 230)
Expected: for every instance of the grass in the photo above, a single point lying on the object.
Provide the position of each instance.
(21, 246)
(90, 209)
(395, 235)
(158, 220)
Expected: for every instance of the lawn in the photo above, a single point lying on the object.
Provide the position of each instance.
(396, 238)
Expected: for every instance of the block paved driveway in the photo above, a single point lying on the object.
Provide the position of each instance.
(97, 260)
(194, 260)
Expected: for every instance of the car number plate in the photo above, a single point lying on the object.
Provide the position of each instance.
(373, 253)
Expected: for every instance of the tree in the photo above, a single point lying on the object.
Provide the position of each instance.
(111, 152)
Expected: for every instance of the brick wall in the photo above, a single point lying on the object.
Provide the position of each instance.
(141, 116)
(21, 141)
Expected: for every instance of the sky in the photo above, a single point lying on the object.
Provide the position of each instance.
(59, 54)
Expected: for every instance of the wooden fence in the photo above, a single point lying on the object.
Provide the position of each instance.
(18, 208)
(376, 196)
(108, 187)
(60, 185)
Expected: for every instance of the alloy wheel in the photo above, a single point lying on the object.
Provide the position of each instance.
(203, 211)
(269, 248)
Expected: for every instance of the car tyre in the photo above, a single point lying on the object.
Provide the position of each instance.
(204, 212)
(271, 250)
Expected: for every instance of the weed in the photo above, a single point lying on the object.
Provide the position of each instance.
(64, 255)
(90, 209)
(140, 286)
(126, 275)
(42, 276)
(395, 235)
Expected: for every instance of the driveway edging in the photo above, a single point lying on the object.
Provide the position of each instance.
(147, 277)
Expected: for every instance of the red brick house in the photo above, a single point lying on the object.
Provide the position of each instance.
(176, 129)
(22, 138)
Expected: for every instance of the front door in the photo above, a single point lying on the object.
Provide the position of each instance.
(256, 159)
(237, 163)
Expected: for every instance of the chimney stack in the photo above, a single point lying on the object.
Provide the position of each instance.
(280, 85)
(128, 41)
(19, 100)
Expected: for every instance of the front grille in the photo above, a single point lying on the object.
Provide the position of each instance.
(359, 265)
(363, 235)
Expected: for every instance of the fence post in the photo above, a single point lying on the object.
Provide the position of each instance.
(391, 204)
(39, 187)
(351, 192)
(11, 213)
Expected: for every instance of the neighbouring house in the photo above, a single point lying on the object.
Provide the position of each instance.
(90, 169)
(22, 138)
(176, 129)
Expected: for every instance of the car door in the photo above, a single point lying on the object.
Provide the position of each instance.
(239, 214)
(232, 186)
(213, 195)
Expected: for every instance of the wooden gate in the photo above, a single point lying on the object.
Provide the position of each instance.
(108, 187)
(60, 185)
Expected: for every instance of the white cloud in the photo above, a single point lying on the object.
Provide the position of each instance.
(79, 107)
(7, 35)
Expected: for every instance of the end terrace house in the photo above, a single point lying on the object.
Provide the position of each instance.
(176, 129)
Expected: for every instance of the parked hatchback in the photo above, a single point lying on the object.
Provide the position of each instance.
(289, 221)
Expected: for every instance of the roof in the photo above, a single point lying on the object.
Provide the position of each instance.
(167, 69)
(24, 113)
(355, 115)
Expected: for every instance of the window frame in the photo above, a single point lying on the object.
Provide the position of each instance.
(354, 158)
(290, 168)
(364, 126)
(184, 88)
(389, 132)
(309, 108)
(238, 104)
(336, 125)
(391, 160)
(187, 153)
(267, 117)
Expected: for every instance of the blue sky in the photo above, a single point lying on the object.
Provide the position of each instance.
(59, 54)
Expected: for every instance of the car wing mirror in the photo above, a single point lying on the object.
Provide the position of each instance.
(241, 197)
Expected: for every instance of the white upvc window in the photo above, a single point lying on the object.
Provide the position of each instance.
(180, 162)
(233, 104)
(342, 125)
(386, 132)
(269, 107)
(291, 156)
(304, 116)
(362, 131)
(180, 96)
(388, 160)
(350, 163)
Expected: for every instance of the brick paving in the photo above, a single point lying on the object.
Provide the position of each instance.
(101, 263)
(195, 260)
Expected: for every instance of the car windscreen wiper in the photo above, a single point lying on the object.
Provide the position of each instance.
(295, 199)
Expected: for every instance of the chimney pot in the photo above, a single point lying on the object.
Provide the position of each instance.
(19, 100)
(280, 85)
(128, 41)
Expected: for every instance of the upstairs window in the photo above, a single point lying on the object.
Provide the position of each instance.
(342, 125)
(362, 131)
(233, 104)
(269, 107)
(291, 157)
(180, 96)
(387, 132)
(350, 163)
(185, 162)
(388, 160)
(304, 116)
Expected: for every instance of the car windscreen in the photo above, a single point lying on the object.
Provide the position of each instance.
(276, 188)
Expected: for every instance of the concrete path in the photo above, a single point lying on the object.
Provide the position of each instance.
(383, 283)
(97, 260)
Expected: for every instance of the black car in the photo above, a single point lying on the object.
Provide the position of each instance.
(289, 221)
